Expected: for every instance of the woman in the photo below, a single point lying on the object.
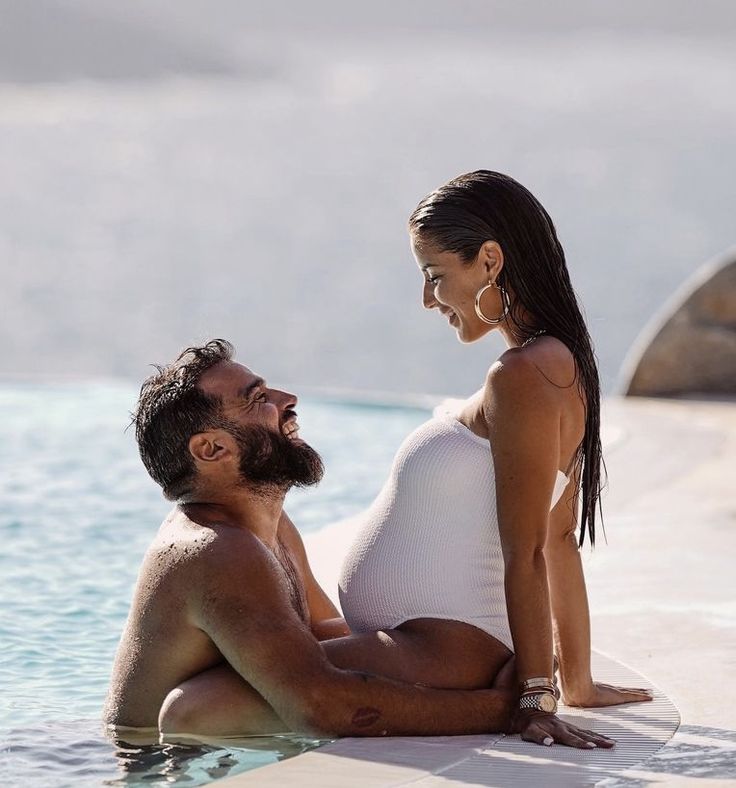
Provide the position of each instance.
(475, 530)
(469, 552)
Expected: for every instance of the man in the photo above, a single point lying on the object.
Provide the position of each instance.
(224, 631)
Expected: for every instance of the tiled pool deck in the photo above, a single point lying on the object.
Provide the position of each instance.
(663, 596)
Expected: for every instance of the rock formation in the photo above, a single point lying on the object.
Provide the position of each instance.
(690, 345)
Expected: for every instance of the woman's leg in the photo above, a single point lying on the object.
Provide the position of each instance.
(429, 651)
(442, 654)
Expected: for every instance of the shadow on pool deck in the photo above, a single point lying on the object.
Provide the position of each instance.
(696, 752)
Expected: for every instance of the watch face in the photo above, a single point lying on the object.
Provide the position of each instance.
(547, 703)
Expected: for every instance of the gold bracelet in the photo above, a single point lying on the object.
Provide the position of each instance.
(536, 690)
(540, 681)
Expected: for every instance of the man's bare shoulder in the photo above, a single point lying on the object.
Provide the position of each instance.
(190, 555)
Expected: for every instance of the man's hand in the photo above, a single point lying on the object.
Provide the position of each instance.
(330, 628)
(544, 728)
(506, 677)
(599, 694)
(507, 682)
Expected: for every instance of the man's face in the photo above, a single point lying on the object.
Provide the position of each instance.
(262, 420)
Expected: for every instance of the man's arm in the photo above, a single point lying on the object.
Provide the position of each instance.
(260, 635)
(325, 619)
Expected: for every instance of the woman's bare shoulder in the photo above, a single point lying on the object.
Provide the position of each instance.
(543, 369)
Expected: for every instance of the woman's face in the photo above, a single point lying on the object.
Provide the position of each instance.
(450, 286)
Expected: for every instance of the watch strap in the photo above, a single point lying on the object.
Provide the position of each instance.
(538, 701)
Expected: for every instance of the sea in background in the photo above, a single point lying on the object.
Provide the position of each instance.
(177, 171)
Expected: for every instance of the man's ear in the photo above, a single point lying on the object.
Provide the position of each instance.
(491, 257)
(210, 446)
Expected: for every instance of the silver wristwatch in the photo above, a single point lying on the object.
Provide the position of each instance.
(539, 701)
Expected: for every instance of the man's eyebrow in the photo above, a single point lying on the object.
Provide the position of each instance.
(251, 387)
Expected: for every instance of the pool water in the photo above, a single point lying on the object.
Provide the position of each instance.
(78, 511)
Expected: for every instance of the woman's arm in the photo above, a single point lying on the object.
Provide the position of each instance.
(522, 412)
(543, 575)
(571, 615)
(523, 418)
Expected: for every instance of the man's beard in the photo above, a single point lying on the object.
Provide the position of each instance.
(269, 460)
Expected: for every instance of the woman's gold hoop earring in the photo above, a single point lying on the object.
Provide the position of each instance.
(504, 300)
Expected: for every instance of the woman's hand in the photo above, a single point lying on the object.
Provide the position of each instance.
(544, 728)
(599, 694)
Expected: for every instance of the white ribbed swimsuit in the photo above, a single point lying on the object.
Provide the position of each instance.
(430, 545)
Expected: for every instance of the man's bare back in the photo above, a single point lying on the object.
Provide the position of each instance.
(162, 644)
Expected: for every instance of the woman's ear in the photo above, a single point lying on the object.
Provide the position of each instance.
(209, 446)
(491, 257)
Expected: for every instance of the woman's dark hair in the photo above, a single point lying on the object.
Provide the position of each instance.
(170, 409)
(488, 206)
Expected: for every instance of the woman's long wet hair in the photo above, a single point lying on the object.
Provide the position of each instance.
(488, 206)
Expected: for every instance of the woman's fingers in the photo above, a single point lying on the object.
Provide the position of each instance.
(570, 739)
(635, 694)
(611, 696)
(642, 694)
(553, 730)
(637, 690)
(601, 741)
(537, 734)
(577, 737)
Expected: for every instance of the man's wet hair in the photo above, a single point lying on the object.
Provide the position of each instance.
(171, 408)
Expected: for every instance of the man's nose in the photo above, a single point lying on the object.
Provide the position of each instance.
(428, 299)
(288, 400)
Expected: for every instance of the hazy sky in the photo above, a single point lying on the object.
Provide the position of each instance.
(179, 170)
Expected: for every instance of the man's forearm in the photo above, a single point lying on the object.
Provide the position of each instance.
(367, 705)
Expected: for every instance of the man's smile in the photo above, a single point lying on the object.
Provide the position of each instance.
(290, 428)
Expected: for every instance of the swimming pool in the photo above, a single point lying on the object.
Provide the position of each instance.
(78, 511)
